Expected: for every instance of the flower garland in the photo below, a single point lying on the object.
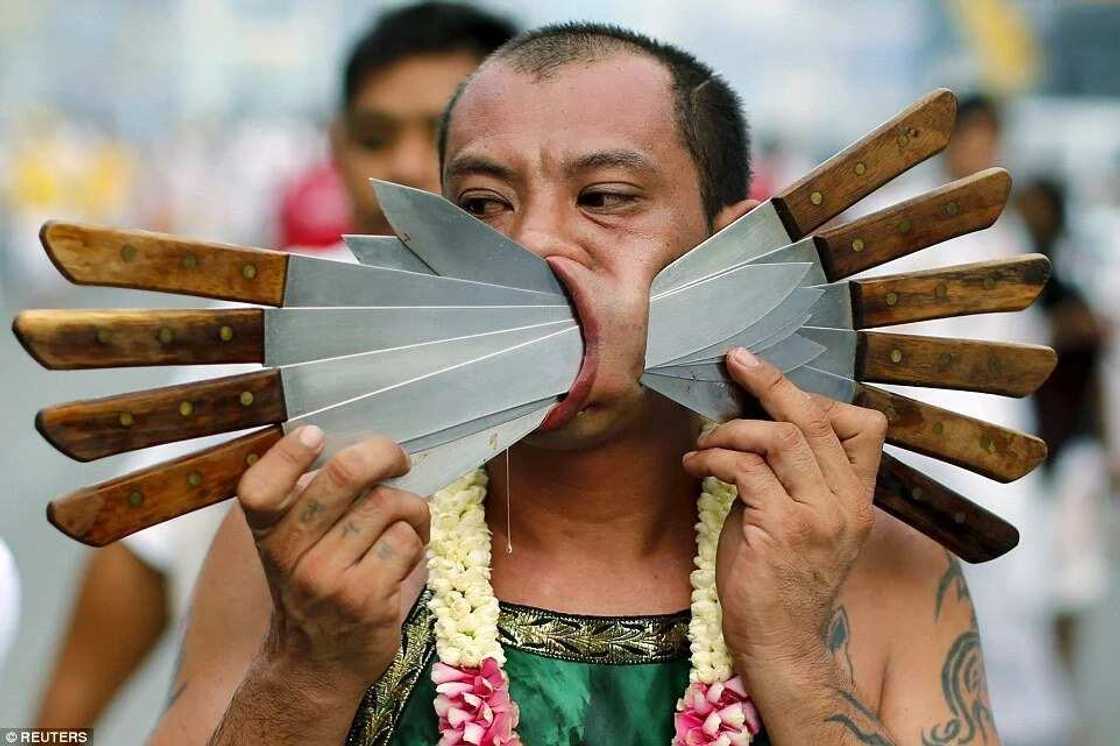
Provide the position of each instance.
(473, 703)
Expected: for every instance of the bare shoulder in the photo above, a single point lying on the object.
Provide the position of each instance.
(910, 636)
(227, 621)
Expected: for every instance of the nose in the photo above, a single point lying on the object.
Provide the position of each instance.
(543, 227)
(413, 161)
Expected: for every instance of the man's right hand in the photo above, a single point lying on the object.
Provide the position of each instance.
(336, 548)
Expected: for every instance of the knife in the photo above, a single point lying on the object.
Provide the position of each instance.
(95, 428)
(792, 352)
(960, 290)
(385, 251)
(406, 393)
(916, 133)
(73, 339)
(990, 450)
(89, 255)
(456, 244)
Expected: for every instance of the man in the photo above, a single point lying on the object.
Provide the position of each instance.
(397, 80)
(609, 155)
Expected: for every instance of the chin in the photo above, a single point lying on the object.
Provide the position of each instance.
(595, 423)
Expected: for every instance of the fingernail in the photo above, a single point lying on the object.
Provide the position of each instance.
(744, 358)
(688, 455)
(311, 436)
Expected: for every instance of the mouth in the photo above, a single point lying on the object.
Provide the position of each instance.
(576, 399)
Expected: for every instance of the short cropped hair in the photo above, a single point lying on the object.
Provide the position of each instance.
(433, 27)
(709, 114)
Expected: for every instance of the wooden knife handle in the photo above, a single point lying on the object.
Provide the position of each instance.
(983, 287)
(92, 429)
(111, 510)
(963, 364)
(956, 523)
(990, 450)
(70, 340)
(91, 255)
(916, 133)
(964, 206)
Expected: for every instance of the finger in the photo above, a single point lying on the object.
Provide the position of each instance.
(787, 403)
(268, 488)
(759, 488)
(393, 556)
(784, 447)
(861, 432)
(356, 530)
(350, 473)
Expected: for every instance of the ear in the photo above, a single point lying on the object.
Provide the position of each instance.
(730, 213)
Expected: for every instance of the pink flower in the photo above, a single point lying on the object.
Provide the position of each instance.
(719, 714)
(474, 706)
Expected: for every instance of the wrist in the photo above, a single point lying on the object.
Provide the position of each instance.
(316, 685)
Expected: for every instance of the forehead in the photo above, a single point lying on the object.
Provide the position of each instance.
(415, 83)
(623, 101)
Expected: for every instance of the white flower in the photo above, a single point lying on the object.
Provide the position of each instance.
(710, 658)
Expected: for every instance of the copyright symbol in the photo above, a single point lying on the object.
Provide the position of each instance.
(11, 736)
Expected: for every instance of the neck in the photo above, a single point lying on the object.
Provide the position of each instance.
(626, 505)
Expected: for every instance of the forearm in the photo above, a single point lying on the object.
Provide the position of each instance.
(282, 703)
(810, 700)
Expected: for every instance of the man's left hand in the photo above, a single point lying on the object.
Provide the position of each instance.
(805, 484)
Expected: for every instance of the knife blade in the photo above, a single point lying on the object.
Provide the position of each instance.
(95, 428)
(454, 243)
(72, 339)
(90, 255)
(916, 133)
(792, 352)
(990, 450)
(1001, 368)
(384, 251)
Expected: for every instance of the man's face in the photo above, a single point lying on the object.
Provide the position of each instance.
(585, 168)
(389, 130)
(974, 146)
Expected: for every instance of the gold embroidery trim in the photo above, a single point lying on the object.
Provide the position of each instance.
(594, 639)
(384, 702)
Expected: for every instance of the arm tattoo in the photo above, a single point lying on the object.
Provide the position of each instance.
(860, 721)
(853, 715)
(963, 681)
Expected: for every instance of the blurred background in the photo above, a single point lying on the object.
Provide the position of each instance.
(209, 118)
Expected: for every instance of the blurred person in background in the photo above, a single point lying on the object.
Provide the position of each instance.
(1015, 595)
(1069, 409)
(396, 81)
(9, 601)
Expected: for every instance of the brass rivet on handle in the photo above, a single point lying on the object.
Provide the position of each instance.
(246, 398)
(194, 479)
(103, 336)
(186, 408)
(903, 140)
(816, 198)
(892, 298)
(941, 291)
(248, 271)
(128, 252)
(135, 498)
(904, 226)
(189, 261)
(125, 419)
(939, 428)
(896, 355)
(857, 245)
(944, 360)
(861, 168)
(251, 459)
(165, 336)
(225, 333)
(987, 443)
(958, 518)
(916, 494)
(952, 209)
(989, 283)
(913, 132)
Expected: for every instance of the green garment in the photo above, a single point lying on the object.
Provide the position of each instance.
(577, 679)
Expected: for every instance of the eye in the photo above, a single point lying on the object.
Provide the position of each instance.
(483, 205)
(606, 200)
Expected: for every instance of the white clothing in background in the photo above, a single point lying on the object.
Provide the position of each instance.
(9, 601)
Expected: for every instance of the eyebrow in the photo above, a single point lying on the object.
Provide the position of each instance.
(631, 159)
(475, 164)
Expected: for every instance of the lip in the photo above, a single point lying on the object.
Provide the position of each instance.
(577, 395)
